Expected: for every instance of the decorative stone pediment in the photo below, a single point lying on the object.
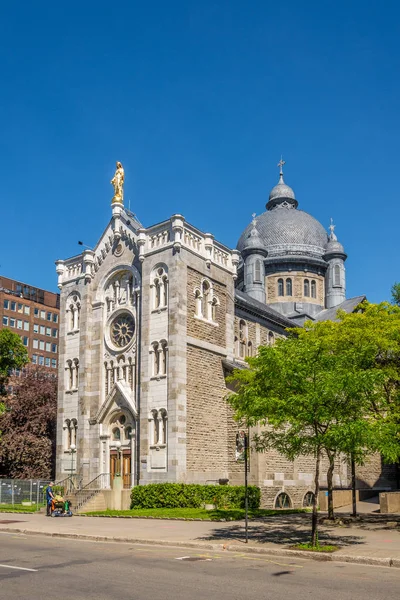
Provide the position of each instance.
(120, 398)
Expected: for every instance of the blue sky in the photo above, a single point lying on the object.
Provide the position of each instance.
(199, 100)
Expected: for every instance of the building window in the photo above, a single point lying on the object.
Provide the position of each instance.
(47, 361)
(6, 304)
(271, 338)
(41, 360)
(34, 359)
(280, 287)
(48, 316)
(54, 347)
(257, 271)
(13, 305)
(54, 363)
(41, 345)
(160, 288)
(159, 351)
(55, 318)
(336, 276)
(5, 320)
(35, 328)
(313, 289)
(158, 427)
(249, 349)
(308, 500)
(48, 347)
(288, 287)
(26, 325)
(283, 501)
(306, 288)
(42, 330)
(55, 332)
(206, 301)
(36, 312)
(36, 344)
(72, 374)
(48, 330)
(27, 310)
(12, 322)
(25, 341)
(19, 324)
(20, 307)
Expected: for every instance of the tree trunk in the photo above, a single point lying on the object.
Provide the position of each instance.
(329, 477)
(314, 520)
(353, 486)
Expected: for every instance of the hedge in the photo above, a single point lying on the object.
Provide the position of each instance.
(191, 495)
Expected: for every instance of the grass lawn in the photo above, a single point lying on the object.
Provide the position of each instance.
(18, 508)
(234, 514)
(320, 548)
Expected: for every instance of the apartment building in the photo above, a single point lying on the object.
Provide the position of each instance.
(33, 314)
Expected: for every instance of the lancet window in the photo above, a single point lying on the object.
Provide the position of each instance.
(281, 291)
(121, 368)
(73, 311)
(159, 287)
(72, 374)
(288, 287)
(313, 289)
(206, 301)
(158, 427)
(257, 271)
(306, 288)
(70, 433)
(336, 275)
(159, 351)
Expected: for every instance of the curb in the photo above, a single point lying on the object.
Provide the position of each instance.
(361, 560)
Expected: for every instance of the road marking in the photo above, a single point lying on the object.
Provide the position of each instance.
(18, 568)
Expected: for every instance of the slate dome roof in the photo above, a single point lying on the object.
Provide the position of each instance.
(287, 225)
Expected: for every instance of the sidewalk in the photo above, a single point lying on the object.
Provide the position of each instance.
(374, 541)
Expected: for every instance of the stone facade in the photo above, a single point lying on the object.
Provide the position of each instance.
(151, 322)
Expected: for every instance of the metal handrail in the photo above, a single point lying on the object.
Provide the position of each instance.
(100, 482)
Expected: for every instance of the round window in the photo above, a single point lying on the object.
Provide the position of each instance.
(122, 329)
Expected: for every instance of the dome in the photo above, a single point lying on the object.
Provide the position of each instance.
(287, 226)
(281, 190)
(253, 240)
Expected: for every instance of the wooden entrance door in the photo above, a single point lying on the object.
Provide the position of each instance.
(126, 469)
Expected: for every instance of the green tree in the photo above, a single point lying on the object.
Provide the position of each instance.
(396, 293)
(13, 355)
(323, 391)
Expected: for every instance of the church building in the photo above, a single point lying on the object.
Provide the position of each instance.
(154, 318)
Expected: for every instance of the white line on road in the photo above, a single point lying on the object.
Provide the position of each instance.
(19, 568)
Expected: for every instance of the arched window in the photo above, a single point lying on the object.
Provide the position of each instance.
(242, 338)
(280, 287)
(249, 349)
(313, 289)
(73, 310)
(257, 271)
(67, 434)
(308, 499)
(283, 501)
(69, 375)
(206, 301)
(128, 433)
(336, 276)
(160, 288)
(159, 351)
(306, 288)
(271, 338)
(288, 287)
(163, 426)
(116, 434)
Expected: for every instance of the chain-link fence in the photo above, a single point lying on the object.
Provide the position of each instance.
(28, 492)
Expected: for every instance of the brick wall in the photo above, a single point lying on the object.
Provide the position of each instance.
(201, 329)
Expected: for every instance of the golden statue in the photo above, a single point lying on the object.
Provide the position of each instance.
(118, 182)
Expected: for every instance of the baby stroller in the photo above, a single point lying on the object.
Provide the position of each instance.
(60, 507)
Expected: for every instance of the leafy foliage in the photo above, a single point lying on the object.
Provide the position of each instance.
(182, 495)
(396, 293)
(13, 355)
(27, 446)
(331, 387)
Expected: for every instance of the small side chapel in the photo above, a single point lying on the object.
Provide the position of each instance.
(153, 318)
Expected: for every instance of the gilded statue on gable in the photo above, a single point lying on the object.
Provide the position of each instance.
(118, 182)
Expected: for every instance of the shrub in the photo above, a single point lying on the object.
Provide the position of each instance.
(192, 495)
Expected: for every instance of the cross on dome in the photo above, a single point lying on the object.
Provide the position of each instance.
(280, 165)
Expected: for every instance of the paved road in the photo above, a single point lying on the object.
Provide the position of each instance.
(79, 570)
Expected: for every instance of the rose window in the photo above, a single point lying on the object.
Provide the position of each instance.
(122, 330)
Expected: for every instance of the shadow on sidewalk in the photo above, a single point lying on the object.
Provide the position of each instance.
(283, 530)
